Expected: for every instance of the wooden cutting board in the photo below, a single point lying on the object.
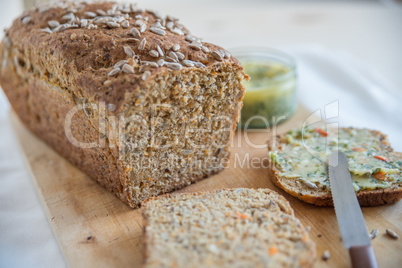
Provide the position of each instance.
(95, 229)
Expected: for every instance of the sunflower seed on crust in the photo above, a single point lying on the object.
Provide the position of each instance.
(154, 53)
(120, 63)
(170, 25)
(90, 14)
(112, 24)
(83, 23)
(158, 25)
(217, 55)
(177, 31)
(142, 44)
(142, 25)
(127, 69)
(160, 51)
(158, 31)
(146, 75)
(180, 55)
(68, 17)
(101, 12)
(176, 47)
(205, 49)
(225, 54)
(188, 63)
(391, 233)
(173, 55)
(161, 62)
(125, 24)
(174, 66)
(114, 72)
(198, 64)
(132, 39)
(60, 28)
(190, 38)
(134, 32)
(46, 30)
(129, 51)
(150, 63)
(195, 45)
(170, 59)
(143, 28)
(53, 23)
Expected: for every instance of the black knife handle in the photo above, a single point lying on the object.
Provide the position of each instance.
(363, 257)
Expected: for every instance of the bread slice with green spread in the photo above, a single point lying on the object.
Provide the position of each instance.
(225, 228)
(299, 164)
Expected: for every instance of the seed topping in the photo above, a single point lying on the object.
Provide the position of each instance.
(160, 51)
(119, 64)
(174, 66)
(176, 47)
(113, 24)
(180, 55)
(125, 24)
(217, 55)
(90, 14)
(158, 31)
(134, 32)
(129, 51)
(114, 72)
(154, 53)
(188, 63)
(142, 44)
(127, 69)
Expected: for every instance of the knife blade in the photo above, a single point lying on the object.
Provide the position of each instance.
(348, 213)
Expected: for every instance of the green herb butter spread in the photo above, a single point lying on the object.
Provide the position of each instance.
(304, 157)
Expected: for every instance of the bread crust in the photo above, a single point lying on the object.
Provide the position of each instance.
(324, 198)
(81, 58)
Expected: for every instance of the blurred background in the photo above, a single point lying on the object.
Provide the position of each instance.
(368, 32)
(368, 29)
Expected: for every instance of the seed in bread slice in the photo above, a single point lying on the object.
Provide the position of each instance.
(225, 228)
(299, 164)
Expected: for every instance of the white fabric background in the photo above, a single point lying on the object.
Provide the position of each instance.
(366, 98)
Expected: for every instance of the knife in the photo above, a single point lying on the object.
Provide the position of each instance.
(348, 213)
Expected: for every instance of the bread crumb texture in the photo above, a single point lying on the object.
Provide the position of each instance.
(225, 228)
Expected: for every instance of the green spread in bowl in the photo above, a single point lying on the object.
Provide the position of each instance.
(271, 92)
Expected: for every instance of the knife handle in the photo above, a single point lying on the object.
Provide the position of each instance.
(363, 257)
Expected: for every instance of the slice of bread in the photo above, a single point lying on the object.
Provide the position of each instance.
(225, 228)
(366, 151)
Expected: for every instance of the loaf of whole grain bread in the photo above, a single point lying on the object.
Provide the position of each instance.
(225, 228)
(128, 96)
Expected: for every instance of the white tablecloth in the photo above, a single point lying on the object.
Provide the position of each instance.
(365, 97)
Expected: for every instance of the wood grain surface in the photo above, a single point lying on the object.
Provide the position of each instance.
(95, 229)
